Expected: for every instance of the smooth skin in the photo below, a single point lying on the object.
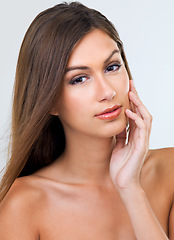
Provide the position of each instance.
(102, 187)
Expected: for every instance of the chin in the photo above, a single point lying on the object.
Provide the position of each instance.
(114, 129)
(116, 132)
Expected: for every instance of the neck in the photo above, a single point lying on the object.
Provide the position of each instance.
(86, 159)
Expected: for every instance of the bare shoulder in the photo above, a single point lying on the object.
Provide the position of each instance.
(19, 210)
(163, 152)
(159, 166)
(162, 159)
(24, 192)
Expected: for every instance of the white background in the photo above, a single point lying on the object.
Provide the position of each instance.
(145, 27)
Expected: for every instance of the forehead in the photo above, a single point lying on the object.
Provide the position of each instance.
(95, 45)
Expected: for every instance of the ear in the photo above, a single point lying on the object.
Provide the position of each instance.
(54, 111)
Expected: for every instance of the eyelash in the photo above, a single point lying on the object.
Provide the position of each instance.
(75, 81)
(118, 65)
(79, 79)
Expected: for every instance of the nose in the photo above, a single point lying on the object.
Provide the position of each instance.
(104, 90)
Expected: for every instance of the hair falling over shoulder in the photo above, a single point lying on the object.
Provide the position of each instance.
(37, 137)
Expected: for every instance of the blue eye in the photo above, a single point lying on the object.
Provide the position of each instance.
(113, 67)
(79, 80)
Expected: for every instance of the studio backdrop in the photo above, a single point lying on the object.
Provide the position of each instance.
(147, 31)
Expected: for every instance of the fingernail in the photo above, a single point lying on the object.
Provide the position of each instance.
(128, 110)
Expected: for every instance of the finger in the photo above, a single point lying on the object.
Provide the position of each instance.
(132, 106)
(139, 123)
(132, 87)
(138, 106)
(132, 130)
(138, 103)
(121, 139)
(142, 109)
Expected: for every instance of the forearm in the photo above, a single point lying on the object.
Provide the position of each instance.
(144, 221)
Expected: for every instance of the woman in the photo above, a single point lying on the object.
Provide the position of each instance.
(80, 167)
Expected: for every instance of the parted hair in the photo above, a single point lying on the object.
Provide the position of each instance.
(37, 137)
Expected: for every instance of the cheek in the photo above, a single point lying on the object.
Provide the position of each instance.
(123, 86)
(73, 104)
(124, 89)
(127, 101)
(126, 81)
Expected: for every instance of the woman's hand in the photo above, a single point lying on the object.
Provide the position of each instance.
(127, 158)
(125, 168)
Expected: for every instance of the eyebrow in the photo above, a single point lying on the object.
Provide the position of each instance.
(110, 56)
(86, 68)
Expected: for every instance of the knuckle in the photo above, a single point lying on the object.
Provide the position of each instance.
(150, 117)
(144, 126)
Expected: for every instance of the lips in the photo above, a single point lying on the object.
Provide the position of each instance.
(110, 113)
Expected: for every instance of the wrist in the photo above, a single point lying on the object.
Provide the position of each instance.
(131, 193)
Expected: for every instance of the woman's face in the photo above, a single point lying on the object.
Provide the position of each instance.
(96, 81)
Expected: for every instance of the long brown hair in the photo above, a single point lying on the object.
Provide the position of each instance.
(37, 137)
